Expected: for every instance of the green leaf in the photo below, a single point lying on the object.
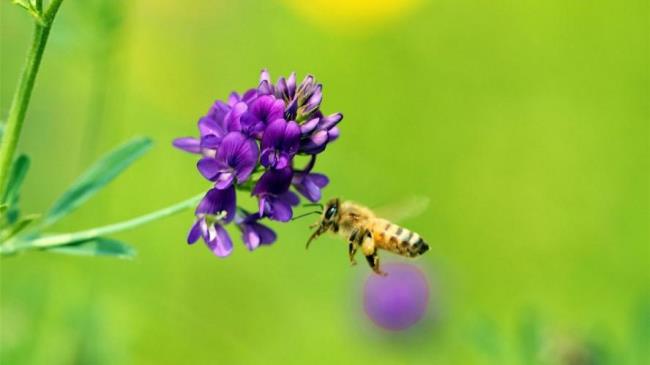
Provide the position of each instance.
(32, 9)
(23, 4)
(18, 226)
(96, 177)
(3, 211)
(12, 194)
(18, 171)
(99, 246)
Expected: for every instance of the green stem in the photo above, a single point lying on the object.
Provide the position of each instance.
(23, 94)
(67, 238)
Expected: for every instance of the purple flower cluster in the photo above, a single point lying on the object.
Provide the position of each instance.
(260, 131)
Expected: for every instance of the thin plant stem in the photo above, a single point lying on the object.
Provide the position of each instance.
(66, 238)
(20, 102)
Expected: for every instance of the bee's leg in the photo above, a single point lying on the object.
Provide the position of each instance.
(373, 261)
(370, 251)
(352, 250)
(353, 246)
(321, 229)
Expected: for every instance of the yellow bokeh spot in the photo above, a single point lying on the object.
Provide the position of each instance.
(353, 15)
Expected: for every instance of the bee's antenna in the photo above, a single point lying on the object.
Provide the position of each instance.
(320, 205)
(306, 214)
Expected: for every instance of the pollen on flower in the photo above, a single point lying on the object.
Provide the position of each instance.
(249, 142)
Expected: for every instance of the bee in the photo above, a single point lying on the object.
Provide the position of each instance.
(362, 229)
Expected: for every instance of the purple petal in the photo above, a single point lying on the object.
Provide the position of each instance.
(262, 206)
(315, 99)
(266, 234)
(291, 84)
(281, 87)
(188, 144)
(319, 138)
(268, 157)
(309, 126)
(208, 126)
(250, 237)
(306, 82)
(208, 167)
(265, 88)
(274, 134)
(282, 161)
(309, 190)
(246, 160)
(291, 137)
(333, 134)
(233, 98)
(273, 182)
(195, 232)
(310, 186)
(217, 112)
(267, 108)
(250, 124)
(224, 180)
(310, 148)
(234, 147)
(331, 120)
(291, 110)
(264, 75)
(233, 118)
(216, 201)
(281, 211)
(221, 245)
(319, 179)
(229, 203)
(207, 231)
(249, 96)
(255, 234)
(210, 142)
(239, 153)
(290, 198)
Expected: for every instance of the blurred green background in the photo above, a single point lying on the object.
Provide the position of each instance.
(524, 122)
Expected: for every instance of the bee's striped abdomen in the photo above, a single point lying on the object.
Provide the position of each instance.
(398, 239)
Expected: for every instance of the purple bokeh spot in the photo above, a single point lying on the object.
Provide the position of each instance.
(399, 300)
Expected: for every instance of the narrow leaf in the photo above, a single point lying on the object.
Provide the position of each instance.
(18, 226)
(23, 4)
(96, 177)
(99, 246)
(16, 177)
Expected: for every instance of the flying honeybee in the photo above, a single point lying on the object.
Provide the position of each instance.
(363, 229)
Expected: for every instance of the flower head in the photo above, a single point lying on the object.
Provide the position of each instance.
(260, 130)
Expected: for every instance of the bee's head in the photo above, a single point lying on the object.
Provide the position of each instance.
(330, 212)
(329, 219)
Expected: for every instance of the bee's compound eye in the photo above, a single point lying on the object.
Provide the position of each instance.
(330, 212)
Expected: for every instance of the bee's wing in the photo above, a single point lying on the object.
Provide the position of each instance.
(404, 209)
